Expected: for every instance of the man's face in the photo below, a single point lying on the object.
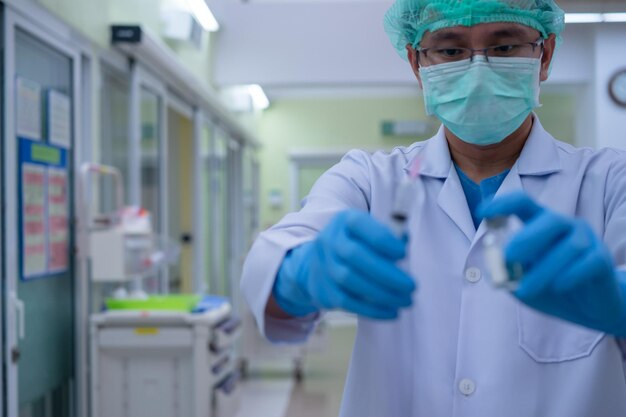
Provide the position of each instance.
(480, 37)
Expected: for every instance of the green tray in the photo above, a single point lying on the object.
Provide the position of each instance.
(184, 303)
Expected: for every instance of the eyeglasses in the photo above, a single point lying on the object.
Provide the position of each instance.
(438, 55)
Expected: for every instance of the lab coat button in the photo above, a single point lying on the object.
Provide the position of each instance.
(473, 274)
(467, 387)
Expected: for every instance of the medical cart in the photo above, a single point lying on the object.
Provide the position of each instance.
(164, 364)
(151, 355)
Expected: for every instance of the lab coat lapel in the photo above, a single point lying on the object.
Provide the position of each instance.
(453, 202)
(435, 162)
(512, 183)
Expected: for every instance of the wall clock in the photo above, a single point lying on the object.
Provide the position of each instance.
(617, 88)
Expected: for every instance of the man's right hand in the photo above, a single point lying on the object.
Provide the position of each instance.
(351, 266)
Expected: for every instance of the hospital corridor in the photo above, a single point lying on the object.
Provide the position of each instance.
(313, 208)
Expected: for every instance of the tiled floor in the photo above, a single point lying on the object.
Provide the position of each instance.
(318, 395)
(265, 397)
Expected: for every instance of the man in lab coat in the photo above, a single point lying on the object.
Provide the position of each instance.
(434, 337)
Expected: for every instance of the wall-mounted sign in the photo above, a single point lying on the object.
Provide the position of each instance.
(34, 256)
(44, 209)
(59, 119)
(28, 109)
(58, 215)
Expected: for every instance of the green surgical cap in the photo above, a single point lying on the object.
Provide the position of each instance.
(407, 20)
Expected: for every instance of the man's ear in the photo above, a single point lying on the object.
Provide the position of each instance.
(413, 57)
(549, 47)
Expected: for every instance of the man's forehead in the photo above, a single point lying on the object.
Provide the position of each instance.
(485, 30)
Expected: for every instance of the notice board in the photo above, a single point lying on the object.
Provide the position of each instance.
(44, 209)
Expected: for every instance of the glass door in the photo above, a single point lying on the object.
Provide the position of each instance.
(207, 207)
(151, 155)
(235, 233)
(148, 159)
(114, 122)
(114, 150)
(250, 197)
(41, 93)
(219, 192)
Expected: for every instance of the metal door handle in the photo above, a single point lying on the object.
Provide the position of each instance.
(19, 311)
(186, 238)
(19, 307)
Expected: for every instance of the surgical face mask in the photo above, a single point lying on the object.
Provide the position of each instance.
(482, 102)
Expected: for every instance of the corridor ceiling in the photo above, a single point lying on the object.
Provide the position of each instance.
(300, 45)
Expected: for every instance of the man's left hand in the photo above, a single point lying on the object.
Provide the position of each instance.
(568, 271)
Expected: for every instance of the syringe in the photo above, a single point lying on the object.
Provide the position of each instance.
(409, 193)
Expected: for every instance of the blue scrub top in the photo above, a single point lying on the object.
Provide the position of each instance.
(477, 193)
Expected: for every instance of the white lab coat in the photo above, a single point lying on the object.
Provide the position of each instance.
(464, 348)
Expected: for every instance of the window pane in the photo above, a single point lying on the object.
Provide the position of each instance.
(114, 147)
(220, 169)
(150, 167)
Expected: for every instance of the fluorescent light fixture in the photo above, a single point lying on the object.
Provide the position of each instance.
(203, 15)
(259, 99)
(583, 18)
(245, 98)
(615, 17)
(595, 17)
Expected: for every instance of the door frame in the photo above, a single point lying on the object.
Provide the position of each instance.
(200, 284)
(308, 159)
(220, 250)
(234, 179)
(45, 28)
(84, 153)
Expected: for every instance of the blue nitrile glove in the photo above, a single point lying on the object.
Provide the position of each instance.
(349, 266)
(568, 271)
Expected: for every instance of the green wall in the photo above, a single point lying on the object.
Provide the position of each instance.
(558, 115)
(345, 123)
(89, 17)
(323, 124)
(92, 18)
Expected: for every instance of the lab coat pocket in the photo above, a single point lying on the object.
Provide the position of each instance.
(548, 339)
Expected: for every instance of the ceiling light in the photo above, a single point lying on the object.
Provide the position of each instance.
(594, 17)
(583, 17)
(203, 15)
(259, 99)
(615, 17)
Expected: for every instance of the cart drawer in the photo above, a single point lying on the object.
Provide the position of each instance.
(226, 396)
(225, 334)
(145, 338)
